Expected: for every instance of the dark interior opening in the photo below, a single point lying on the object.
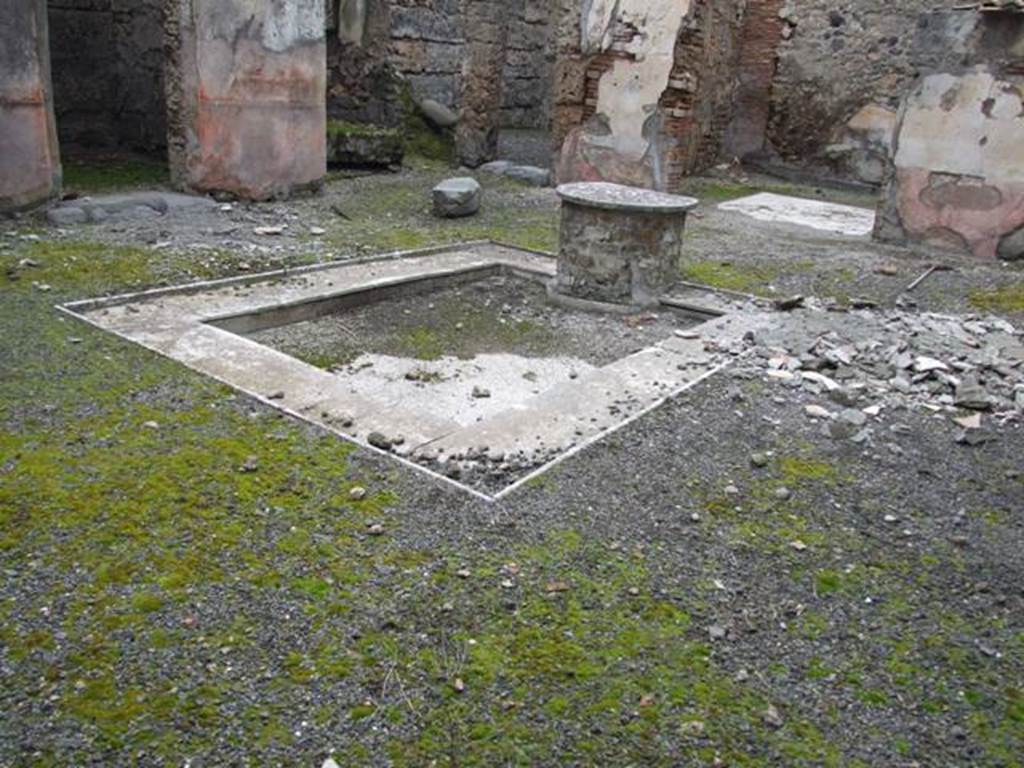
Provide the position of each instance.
(107, 66)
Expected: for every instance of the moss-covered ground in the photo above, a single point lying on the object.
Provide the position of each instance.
(187, 579)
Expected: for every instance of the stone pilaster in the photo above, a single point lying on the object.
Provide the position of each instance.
(245, 87)
(30, 171)
(486, 23)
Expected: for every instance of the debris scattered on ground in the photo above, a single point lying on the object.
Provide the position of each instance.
(875, 363)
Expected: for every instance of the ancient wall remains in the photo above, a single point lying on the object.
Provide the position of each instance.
(699, 102)
(834, 59)
(529, 62)
(568, 78)
(361, 78)
(760, 35)
(958, 169)
(476, 135)
(107, 65)
(644, 93)
(29, 156)
(428, 47)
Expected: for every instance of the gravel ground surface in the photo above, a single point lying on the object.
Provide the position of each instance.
(188, 578)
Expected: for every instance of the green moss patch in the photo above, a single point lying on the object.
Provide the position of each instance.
(1008, 298)
(83, 267)
(97, 177)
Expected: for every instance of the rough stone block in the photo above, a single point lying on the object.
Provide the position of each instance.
(438, 114)
(363, 145)
(1011, 246)
(455, 198)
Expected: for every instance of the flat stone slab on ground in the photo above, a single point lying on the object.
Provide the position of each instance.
(533, 175)
(816, 214)
(129, 205)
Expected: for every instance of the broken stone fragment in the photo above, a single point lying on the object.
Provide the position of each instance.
(843, 396)
(841, 430)
(973, 396)
(973, 437)
(378, 440)
(929, 364)
(759, 460)
(1011, 246)
(529, 174)
(862, 302)
(790, 303)
(772, 718)
(497, 167)
(717, 632)
(853, 417)
(821, 379)
(969, 422)
(817, 412)
(458, 197)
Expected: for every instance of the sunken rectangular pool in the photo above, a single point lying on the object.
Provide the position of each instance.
(450, 360)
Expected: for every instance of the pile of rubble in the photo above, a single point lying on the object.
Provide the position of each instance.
(864, 363)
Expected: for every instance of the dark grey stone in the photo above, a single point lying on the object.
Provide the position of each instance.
(1011, 247)
(498, 167)
(535, 177)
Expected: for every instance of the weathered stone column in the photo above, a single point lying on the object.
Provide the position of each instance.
(486, 24)
(29, 156)
(245, 90)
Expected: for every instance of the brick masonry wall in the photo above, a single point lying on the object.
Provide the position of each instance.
(760, 36)
(693, 111)
(107, 62)
(698, 103)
